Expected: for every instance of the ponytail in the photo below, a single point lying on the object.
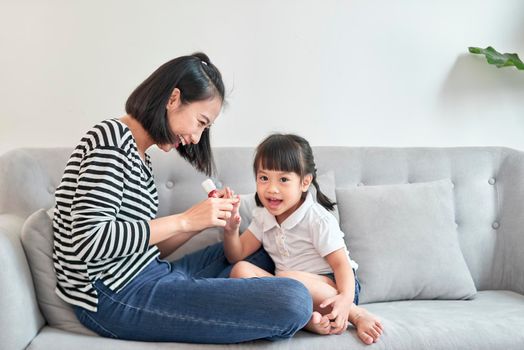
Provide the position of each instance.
(322, 199)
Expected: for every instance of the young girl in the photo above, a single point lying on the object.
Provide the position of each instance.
(301, 236)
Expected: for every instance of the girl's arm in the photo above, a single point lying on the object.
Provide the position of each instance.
(343, 301)
(237, 247)
(339, 262)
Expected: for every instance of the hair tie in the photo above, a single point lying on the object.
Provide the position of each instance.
(204, 62)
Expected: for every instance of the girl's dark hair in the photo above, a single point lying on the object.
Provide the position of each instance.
(290, 153)
(197, 79)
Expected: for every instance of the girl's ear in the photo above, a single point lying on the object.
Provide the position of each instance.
(174, 100)
(306, 182)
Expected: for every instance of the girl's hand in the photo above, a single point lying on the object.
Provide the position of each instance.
(233, 223)
(221, 193)
(208, 213)
(339, 314)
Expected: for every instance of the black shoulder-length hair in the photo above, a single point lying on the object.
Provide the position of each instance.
(197, 79)
(289, 153)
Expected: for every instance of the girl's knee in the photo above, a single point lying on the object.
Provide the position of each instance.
(287, 274)
(240, 270)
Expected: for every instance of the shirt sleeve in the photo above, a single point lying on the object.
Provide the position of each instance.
(327, 236)
(256, 226)
(97, 234)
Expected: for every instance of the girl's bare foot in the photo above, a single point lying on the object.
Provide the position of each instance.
(318, 324)
(369, 328)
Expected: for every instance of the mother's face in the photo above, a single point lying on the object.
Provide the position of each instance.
(188, 121)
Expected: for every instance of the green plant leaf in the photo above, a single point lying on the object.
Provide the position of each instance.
(498, 59)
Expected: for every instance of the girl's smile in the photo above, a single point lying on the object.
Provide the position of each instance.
(274, 203)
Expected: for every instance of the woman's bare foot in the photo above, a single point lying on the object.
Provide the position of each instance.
(369, 328)
(318, 324)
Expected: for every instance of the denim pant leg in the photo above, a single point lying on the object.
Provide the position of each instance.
(211, 262)
(357, 288)
(179, 301)
(161, 304)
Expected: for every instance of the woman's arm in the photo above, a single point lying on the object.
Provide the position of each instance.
(170, 232)
(95, 203)
(99, 197)
(174, 242)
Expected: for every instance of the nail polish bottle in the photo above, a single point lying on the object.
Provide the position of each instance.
(210, 188)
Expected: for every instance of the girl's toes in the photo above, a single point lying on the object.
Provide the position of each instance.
(366, 338)
(316, 317)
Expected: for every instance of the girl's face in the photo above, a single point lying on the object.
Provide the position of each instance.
(281, 192)
(188, 121)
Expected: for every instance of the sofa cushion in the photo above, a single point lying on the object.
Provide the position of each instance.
(405, 241)
(494, 320)
(37, 239)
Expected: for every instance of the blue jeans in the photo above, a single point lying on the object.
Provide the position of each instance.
(184, 301)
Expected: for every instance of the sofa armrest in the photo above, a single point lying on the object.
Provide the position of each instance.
(509, 261)
(20, 317)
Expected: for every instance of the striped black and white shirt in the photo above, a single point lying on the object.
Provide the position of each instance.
(103, 204)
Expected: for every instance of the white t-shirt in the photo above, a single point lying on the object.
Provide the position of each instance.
(303, 239)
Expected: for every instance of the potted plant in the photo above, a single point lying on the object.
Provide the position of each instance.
(498, 59)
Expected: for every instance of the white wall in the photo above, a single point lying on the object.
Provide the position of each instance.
(360, 73)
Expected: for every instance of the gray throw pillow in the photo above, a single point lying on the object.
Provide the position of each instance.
(37, 240)
(404, 238)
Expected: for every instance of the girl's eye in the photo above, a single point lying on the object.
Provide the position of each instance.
(202, 123)
(263, 178)
(284, 179)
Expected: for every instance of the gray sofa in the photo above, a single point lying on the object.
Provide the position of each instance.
(465, 281)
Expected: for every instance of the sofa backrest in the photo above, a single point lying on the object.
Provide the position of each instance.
(488, 187)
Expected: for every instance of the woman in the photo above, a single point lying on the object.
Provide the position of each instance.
(108, 241)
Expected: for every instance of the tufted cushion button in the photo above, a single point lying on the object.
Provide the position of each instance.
(491, 181)
(495, 225)
(170, 184)
(360, 184)
(51, 189)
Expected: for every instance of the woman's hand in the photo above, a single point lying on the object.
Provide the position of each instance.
(208, 213)
(339, 314)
